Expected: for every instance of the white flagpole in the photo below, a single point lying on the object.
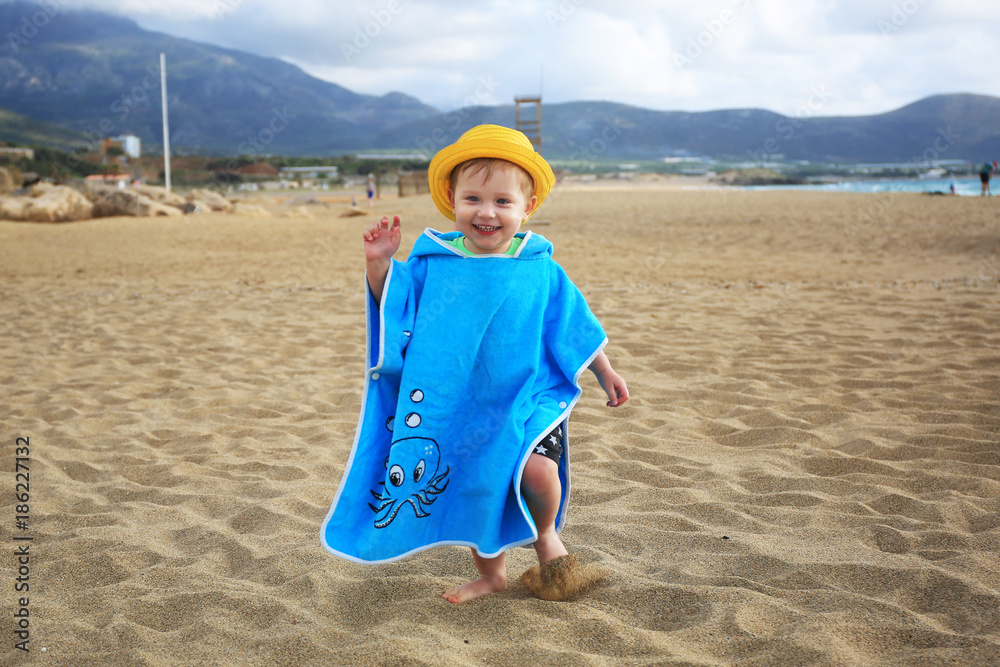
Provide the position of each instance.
(166, 124)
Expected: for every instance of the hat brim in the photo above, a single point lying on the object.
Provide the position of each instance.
(439, 173)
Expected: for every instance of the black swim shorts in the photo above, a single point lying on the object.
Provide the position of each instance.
(551, 445)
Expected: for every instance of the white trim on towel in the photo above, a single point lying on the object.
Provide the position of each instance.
(430, 232)
(563, 417)
(364, 401)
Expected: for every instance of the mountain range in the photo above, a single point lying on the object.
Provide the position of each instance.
(98, 74)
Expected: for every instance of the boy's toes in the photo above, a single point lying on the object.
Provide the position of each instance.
(473, 590)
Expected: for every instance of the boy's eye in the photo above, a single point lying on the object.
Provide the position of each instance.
(503, 201)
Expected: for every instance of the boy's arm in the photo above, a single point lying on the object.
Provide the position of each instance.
(611, 382)
(376, 272)
(381, 243)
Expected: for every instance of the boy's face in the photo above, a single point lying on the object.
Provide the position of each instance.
(489, 208)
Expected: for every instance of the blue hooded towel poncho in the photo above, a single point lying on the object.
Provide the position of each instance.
(471, 361)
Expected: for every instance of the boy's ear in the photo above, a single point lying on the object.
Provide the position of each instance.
(530, 208)
(451, 197)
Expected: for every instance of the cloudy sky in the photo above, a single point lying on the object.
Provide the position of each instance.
(797, 57)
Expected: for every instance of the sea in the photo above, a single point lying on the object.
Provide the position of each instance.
(966, 187)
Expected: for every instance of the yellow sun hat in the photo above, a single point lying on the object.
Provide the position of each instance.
(491, 141)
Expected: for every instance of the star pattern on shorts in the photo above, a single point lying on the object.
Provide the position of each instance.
(553, 438)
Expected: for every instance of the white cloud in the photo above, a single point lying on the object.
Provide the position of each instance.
(872, 55)
(189, 9)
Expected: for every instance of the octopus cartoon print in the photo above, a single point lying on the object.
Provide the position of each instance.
(411, 478)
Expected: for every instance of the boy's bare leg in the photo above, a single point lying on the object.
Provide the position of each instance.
(558, 575)
(492, 578)
(543, 491)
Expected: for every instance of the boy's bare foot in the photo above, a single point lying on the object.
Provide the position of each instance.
(474, 589)
(548, 547)
(492, 578)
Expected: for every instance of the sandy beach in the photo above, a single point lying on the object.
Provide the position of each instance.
(808, 472)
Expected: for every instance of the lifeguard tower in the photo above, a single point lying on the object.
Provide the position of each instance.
(531, 127)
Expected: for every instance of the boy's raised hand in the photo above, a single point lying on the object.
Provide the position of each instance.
(381, 243)
(382, 239)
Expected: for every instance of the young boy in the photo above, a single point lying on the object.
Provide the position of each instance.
(475, 346)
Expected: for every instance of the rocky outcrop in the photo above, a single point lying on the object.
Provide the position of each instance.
(12, 208)
(36, 189)
(6, 182)
(755, 176)
(125, 202)
(207, 200)
(53, 204)
(96, 191)
(163, 196)
(45, 202)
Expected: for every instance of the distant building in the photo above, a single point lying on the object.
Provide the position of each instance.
(309, 172)
(121, 180)
(256, 169)
(129, 144)
(17, 153)
(410, 157)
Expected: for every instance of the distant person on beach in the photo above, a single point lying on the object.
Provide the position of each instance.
(495, 337)
(371, 190)
(984, 175)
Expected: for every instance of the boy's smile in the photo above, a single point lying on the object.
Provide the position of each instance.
(489, 209)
